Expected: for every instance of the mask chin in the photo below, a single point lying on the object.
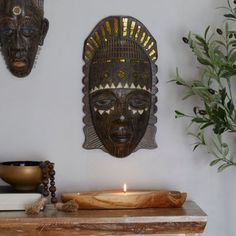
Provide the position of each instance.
(20, 66)
(20, 69)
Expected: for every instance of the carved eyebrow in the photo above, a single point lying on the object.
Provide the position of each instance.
(25, 19)
(28, 19)
(8, 22)
(6, 18)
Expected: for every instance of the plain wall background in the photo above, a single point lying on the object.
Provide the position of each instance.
(41, 115)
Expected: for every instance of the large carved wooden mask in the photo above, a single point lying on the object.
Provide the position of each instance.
(22, 30)
(120, 87)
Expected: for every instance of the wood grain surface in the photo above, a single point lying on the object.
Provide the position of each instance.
(189, 219)
(132, 199)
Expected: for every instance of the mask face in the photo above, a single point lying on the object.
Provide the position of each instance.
(22, 30)
(120, 93)
(120, 102)
(120, 111)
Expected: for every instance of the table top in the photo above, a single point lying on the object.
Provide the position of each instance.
(187, 219)
(189, 212)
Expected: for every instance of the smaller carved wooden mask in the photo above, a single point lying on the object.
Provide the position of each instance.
(120, 87)
(22, 30)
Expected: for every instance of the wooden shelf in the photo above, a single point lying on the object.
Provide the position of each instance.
(188, 220)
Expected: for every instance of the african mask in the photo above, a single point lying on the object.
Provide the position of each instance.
(22, 30)
(120, 87)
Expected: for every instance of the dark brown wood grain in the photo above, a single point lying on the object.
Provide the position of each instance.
(189, 219)
(22, 30)
(120, 87)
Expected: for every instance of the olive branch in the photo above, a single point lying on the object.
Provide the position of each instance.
(215, 114)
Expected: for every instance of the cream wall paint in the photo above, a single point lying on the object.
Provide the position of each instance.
(41, 116)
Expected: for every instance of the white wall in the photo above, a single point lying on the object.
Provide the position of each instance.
(41, 116)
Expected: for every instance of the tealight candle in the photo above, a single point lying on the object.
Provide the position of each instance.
(125, 188)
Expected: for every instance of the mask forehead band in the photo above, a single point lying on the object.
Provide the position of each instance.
(120, 28)
(120, 86)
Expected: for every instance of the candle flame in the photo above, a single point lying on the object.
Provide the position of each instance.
(125, 188)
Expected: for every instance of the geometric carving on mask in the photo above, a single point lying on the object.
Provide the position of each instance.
(22, 31)
(120, 87)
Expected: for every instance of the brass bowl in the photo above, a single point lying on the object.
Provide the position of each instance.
(23, 176)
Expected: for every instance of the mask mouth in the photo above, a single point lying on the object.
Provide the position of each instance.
(121, 134)
(19, 64)
(18, 58)
(19, 67)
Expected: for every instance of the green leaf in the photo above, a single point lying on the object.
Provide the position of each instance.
(227, 28)
(179, 80)
(232, 58)
(179, 83)
(200, 39)
(229, 5)
(221, 43)
(225, 149)
(216, 161)
(206, 32)
(210, 38)
(223, 95)
(229, 15)
(224, 166)
(196, 146)
(204, 61)
(179, 114)
(230, 106)
(221, 113)
(207, 107)
(206, 125)
(217, 143)
(232, 42)
(226, 8)
(231, 51)
(188, 94)
(199, 120)
(228, 74)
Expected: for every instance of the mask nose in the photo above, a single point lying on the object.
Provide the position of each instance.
(122, 118)
(18, 40)
(19, 46)
(18, 54)
(121, 112)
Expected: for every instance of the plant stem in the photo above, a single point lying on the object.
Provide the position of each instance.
(230, 91)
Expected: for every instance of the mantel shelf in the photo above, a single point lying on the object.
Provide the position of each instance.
(188, 220)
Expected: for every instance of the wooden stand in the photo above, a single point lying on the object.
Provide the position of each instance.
(187, 220)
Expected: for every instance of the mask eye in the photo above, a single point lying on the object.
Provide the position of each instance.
(7, 31)
(104, 103)
(139, 103)
(27, 31)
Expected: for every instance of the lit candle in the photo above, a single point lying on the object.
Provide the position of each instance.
(125, 188)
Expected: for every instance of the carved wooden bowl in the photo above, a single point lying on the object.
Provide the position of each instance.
(23, 176)
(132, 199)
